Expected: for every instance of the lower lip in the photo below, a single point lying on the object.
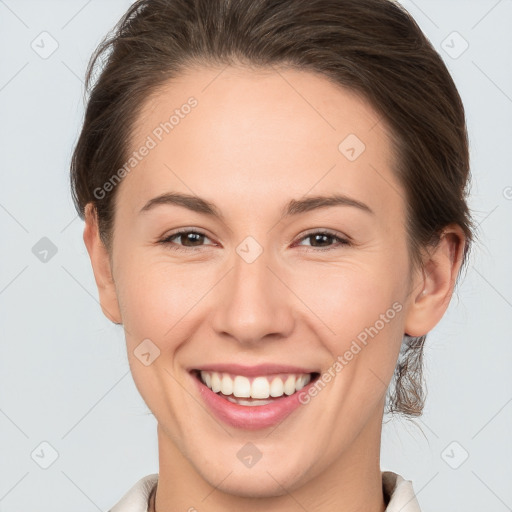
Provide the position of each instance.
(250, 417)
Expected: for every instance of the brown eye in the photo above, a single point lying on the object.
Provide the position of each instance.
(181, 240)
(322, 240)
(190, 239)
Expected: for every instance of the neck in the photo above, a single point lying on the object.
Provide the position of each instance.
(352, 483)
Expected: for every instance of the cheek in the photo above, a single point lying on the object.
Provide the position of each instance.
(351, 296)
(357, 311)
(159, 299)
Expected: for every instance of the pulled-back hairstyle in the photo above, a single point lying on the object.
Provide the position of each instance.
(372, 47)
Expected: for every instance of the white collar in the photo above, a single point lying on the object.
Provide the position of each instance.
(399, 491)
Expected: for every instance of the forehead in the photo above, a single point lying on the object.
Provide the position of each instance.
(239, 133)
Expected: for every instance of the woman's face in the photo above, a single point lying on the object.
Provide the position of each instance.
(254, 285)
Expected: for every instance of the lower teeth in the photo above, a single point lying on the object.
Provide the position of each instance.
(243, 401)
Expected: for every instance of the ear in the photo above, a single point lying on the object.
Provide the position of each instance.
(101, 266)
(432, 291)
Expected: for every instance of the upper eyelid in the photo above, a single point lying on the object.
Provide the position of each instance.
(183, 231)
(342, 239)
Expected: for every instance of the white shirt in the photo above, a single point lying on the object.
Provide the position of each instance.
(397, 489)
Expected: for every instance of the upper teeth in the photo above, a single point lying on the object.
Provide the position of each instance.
(260, 387)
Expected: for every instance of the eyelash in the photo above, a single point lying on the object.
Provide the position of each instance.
(176, 247)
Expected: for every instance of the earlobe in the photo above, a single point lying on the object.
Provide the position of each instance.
(431, 295)
(100, 261)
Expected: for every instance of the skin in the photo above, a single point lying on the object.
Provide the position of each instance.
(255, 141)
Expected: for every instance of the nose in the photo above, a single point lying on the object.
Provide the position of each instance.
(253, 302)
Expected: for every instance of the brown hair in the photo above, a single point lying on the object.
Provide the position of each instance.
(373, 47)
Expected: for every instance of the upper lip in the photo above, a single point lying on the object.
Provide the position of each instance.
(252, 371)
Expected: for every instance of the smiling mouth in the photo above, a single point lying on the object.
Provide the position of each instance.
(258, 390)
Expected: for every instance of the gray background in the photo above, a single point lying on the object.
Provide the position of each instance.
(64, 377)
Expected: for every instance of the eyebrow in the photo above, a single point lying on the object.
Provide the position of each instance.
(294, 207)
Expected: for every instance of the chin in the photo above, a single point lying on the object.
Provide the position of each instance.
(261, 481)
(247, 485)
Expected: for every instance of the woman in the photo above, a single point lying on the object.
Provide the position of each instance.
(274, 196)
